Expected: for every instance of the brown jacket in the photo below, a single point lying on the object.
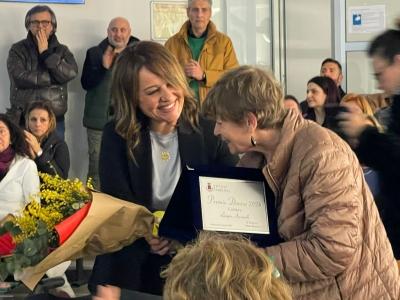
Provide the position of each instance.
(335, 244)
(216, 57)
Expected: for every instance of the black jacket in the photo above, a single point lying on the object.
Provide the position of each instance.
(55, 157)
(93, 71)
(134, 267)
(96, 80)
(35, 76)
(381, 151)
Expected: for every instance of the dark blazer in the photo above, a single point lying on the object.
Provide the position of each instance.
(134, 267)
(55, 157)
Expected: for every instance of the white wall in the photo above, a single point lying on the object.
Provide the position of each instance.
(83, 26)
(308, 41)
(79, 27)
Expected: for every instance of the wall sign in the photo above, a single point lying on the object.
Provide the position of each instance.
(167, 17)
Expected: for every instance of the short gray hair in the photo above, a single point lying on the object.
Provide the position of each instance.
(38, 9)
(243, 90)
(190, 2)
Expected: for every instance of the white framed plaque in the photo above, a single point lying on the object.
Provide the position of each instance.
(222, 198)
(234, 205)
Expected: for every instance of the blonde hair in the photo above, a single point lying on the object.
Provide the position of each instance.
(222, 266)
(243, 90)
(361, 101)
(154, 57)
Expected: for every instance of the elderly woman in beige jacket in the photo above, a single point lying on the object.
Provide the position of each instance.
(335, 246)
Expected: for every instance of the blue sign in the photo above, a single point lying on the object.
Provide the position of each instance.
(47, 1)
(356, 19)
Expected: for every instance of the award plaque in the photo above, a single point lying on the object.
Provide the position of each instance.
(225, 199)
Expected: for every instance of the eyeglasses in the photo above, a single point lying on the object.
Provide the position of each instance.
(36, 23)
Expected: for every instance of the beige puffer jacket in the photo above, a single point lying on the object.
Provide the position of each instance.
(336, 246)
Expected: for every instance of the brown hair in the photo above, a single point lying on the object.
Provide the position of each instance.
(222, 266)
(243, 90)
(125, 89)
(45, 105)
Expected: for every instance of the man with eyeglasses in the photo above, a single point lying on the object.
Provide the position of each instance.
(40, 67)
(203, 52)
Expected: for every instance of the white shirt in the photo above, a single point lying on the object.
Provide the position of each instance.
(19, 186)
(166, 167)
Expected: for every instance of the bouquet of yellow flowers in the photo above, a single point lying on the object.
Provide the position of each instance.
(69, 221)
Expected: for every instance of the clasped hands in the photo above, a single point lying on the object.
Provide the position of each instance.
(193, 70)
(109, 56)
(33, 144)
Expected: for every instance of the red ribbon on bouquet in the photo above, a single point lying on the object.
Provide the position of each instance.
(7, 244)
(67, 227)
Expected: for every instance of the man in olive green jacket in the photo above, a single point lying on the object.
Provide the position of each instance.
(204, 53)
(96, 80)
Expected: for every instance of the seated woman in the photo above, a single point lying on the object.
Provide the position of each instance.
(322, 99)
(49, 152)
(19, 183)
(156, 132)
(335, 245)
(19, 180)
(359, 104)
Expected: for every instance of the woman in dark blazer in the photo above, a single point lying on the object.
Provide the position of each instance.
(156, 132)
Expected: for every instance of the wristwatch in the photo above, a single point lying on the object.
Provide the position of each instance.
(40, 152)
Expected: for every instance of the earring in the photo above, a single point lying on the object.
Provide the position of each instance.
(253, 141)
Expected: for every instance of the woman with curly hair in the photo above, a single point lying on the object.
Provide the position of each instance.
(223, 266)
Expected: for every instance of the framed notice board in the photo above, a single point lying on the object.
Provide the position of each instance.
(367, 18)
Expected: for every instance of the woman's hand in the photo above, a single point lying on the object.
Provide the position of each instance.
(107, 292)
(34, 146)
(159, 245)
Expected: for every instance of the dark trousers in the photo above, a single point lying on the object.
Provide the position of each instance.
(132, 268)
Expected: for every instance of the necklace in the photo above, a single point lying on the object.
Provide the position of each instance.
(164, 145)
(165, 155)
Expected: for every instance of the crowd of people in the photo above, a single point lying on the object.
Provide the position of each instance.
(152, 110)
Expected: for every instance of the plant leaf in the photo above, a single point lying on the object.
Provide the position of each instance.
(30, 247)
